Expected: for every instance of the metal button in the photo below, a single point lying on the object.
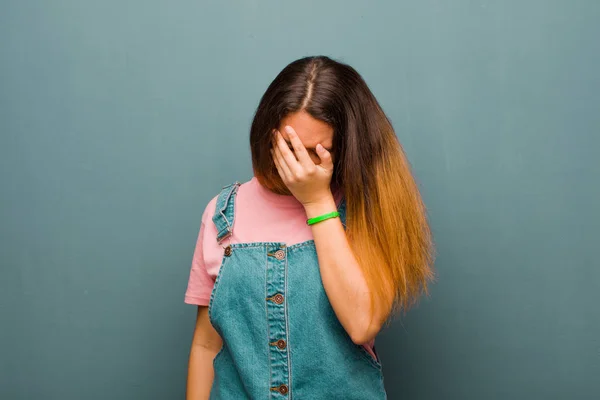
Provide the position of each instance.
(281, 344)
(280, 254)
(283, 389)
(278, 298)
(227, 251)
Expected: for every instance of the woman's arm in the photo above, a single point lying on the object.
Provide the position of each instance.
(341, 274)
(342, 277)
(205, 346)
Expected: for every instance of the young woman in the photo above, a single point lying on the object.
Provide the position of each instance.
(296, 271)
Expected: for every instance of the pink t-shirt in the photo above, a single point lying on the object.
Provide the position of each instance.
(258, 216)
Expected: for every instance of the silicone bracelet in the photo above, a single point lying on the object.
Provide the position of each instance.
(312, 221)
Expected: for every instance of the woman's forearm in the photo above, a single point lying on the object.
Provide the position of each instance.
(342, 277)
(200, 373)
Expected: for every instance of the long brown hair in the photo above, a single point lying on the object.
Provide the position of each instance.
(386, 221)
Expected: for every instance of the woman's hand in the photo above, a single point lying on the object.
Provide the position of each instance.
(308, 182)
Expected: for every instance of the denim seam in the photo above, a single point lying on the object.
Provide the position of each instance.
(287, 328)
(213, 293)
(278, 244)
(267, 316)
(218, 353)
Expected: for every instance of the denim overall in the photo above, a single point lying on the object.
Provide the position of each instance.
(281, 338)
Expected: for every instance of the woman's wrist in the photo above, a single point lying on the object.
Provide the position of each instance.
(320, 207)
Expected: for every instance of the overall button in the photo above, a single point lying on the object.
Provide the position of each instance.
(278, 298)
(280, 254)
(227, 251)
(283, 389)
(281, 344)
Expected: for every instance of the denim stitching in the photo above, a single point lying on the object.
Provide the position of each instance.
(230, 192)
(287, 328)
(234, 194)
(213, 292)
(267, 315)
(265, 244)
(218, 217)
(221, 202)
(219, 353)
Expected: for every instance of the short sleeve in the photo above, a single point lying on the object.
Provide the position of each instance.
(200, 283)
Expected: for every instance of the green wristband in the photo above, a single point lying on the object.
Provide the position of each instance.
(312, 221)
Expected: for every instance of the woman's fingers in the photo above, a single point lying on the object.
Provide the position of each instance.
(325, 156)
(282, 167)
(288, 157)
(279, 170)
(299, 149)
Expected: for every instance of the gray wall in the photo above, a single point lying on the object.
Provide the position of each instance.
(119, 120)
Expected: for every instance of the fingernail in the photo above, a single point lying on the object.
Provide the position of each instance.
(289, 129)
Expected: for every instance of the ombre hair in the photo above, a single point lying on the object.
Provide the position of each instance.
(386, 222)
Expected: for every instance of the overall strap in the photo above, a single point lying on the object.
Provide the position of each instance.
(225, 211)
